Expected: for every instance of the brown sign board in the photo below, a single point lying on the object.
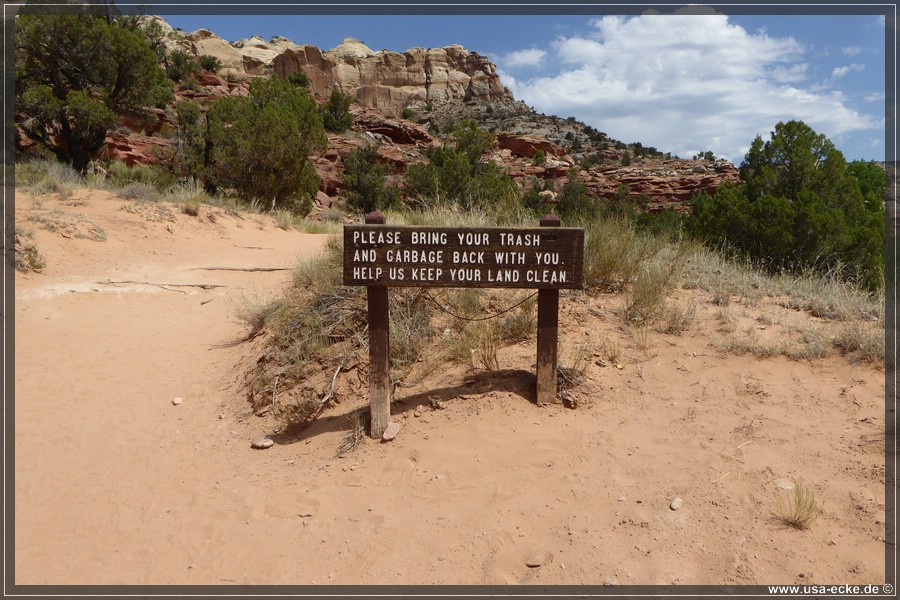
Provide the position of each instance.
(488, 257)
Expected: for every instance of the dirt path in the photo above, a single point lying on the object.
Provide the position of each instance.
(116, 484)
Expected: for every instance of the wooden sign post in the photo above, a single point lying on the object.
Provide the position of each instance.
(379, 353)
(547, 258)
(547, 335)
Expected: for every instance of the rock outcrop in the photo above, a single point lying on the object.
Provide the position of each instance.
(391, 81)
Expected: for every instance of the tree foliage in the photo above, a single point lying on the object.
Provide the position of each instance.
(336, 112)
(800, 206)
(76, 73)
(260, 145)
(458, 174)
(365, 181)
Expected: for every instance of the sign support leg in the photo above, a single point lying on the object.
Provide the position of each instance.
(547, 335)
(379, 355)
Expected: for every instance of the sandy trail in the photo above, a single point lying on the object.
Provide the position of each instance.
(115, 484)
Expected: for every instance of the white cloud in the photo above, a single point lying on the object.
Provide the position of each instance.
(842, 71)
(875, 97)
(524, 58)
(684, 82)
(851, 50)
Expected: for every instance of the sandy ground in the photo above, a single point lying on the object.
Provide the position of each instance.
(116, 484)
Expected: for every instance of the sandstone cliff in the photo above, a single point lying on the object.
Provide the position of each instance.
(391, 81)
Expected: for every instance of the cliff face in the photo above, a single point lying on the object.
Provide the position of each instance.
(391, 81)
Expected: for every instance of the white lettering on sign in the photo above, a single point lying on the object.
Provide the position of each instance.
(395, 274)
(550, 277)
(548, 258)
(504, 275)
(468, 258)
(474, 239)
(465, 275)
(426, 274)
(364, 256)
(414, 256)
(520, 239)
(509, 258)
(376, 237)
(429, 237)
(369, 273)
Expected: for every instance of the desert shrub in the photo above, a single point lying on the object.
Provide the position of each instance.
(799, 509)
(614, 253)
(180, 65)
(260, 145)
(44, 176)
(539, 158)
(27, 256)
(336, 112)
(120, 175)
(210, 63)
(408, 114)
(365, 182)
(574, 203)
(459, 175)
(299, 79)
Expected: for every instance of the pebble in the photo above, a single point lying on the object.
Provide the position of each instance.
(784, 484)
(263, 443)
(538, 560)
(621, 498)
(609, 582)
(177, 401)
(390, 432)
(676, 504)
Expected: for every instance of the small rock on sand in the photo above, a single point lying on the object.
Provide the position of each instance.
(676, 504)
(177, 401)
(263, 443)
(390, 432)
(539, 559)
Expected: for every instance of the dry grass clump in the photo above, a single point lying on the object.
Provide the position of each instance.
(27, 256)
(41, 177)
(284, 219)
(67, 224)
(520, 323)
(862, 338)
(797, 509)
(356, 434)
(319, 326)
(677, 317)
(615, 253)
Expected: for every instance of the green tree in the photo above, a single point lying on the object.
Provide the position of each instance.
(260, 145)
(75, 74)
(336, 112)
(800, 206)
(210, 63)
(365, 181)
(180, 65)
(574, 203)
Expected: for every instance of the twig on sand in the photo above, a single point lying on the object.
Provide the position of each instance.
(165, 286)
(244, 269)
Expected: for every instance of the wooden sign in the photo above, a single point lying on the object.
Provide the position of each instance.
(496, 257)
(379, 256)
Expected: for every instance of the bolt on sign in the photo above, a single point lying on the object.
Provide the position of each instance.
(547, 258)
(488, 257)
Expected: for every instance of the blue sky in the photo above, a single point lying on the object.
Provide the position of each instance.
(681, 83)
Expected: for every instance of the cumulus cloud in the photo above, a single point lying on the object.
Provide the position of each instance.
(524, 58)
(681, 82)
(851, 50)
(842, 71)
